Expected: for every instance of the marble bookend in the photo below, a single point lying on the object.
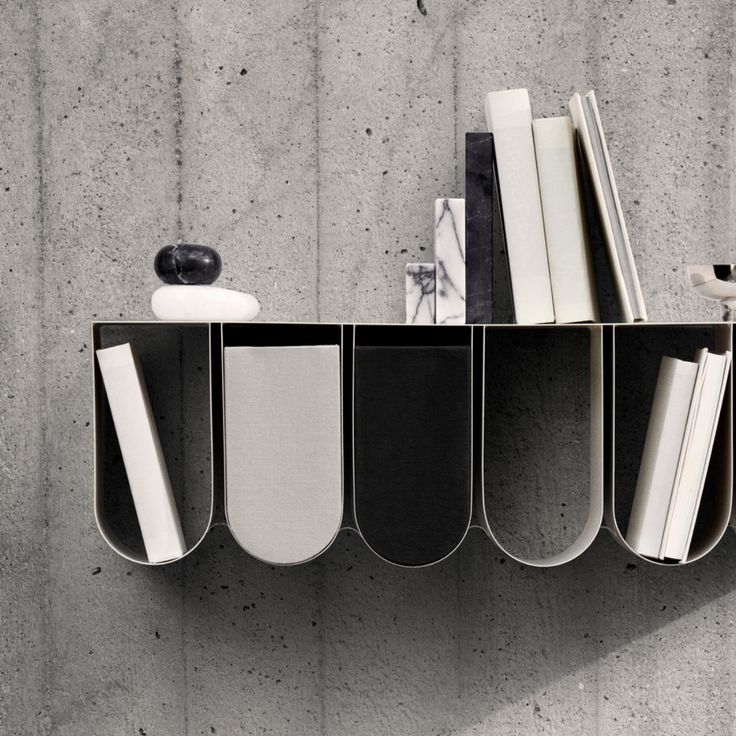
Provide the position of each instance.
(478, 227)
(420, 293)
(449, 260)
(203, 304)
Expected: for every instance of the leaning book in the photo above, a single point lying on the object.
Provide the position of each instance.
(587, 122)
(140, 447)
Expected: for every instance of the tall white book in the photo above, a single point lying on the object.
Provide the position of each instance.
(667, 422)
(587, 122)
(509, 118)
(568, 246)
(283, 449)
(140, 447)
(696, 451)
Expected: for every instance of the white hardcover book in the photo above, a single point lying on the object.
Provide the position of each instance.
(667, 421)
(568, 246)
(509, 118)
(283, 449)
(688, 491)
(140, 447)
(587, 122)
(700, 356)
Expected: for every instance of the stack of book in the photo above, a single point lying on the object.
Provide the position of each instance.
(535, 168)
(682, 427)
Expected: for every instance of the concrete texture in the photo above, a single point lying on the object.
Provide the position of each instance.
(307, 141)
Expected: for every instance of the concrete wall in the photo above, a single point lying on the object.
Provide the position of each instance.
(307, 140)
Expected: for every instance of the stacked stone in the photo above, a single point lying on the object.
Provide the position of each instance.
(188, 272)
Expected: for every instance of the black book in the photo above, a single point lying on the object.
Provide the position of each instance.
(412, 439)
(479, 188)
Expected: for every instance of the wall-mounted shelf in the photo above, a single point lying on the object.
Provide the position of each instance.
(500, 423)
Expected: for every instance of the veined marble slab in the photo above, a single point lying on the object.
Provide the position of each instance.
(420, 293)
(449, 261)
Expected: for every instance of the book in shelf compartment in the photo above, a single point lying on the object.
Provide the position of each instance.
(509, 118)
(676, 455)
(670, 408)
(697, 446)
(587, 122)
(412, 438)
(140, 447)
(568, 247)
(283, 449)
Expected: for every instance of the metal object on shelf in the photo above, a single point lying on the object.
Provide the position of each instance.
(718, 283)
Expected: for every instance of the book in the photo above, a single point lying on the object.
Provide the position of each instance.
(696, 450)
(568, 246)
(140, 448)
(283, 449)
(449, 261)
(668, 419)
(479, 191)
(509, 118)
(412, 450)
(587, 122)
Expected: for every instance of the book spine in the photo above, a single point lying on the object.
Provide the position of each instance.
(449, 261)
(568, 246)
(420, 288)
(509, 118)
(479, 190)
(283, 449)
(143, 458)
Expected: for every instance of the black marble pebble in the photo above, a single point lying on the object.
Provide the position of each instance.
(187, 263)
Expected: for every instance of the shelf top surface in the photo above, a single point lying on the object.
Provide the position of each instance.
(576, 325)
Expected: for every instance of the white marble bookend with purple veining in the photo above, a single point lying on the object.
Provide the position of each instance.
(449, 260)
(420, 293)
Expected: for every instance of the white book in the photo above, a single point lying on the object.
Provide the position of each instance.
(696, 452)
(140, 447)
(568, 246)
(667, 422)
(283, 449)
(700, 357)
(509, 118)
(587, 122)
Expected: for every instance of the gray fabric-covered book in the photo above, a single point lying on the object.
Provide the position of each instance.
(283, 449)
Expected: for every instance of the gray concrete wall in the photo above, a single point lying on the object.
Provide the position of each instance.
(126, 123)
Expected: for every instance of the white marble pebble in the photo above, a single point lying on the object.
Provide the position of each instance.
(449, 259)
(203, 304)
(420, 293)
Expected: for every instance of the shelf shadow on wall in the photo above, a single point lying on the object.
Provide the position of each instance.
(350, 640)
